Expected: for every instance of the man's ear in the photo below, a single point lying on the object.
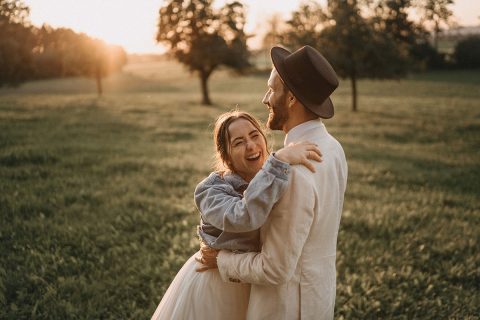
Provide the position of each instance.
(291, 99)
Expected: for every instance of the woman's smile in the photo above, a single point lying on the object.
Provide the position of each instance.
(254, 157)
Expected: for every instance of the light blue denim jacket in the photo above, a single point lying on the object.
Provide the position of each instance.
(231, 217)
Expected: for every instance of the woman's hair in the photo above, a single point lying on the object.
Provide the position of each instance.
(221, 137)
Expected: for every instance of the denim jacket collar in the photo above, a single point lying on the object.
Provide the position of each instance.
(237, 182)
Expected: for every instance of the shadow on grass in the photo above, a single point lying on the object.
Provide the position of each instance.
(116, 83)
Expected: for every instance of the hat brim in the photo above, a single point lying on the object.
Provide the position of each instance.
(324, 110)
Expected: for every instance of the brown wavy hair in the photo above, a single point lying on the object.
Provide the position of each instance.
(221, 137)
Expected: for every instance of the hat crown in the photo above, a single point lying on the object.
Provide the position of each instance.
(308, 66)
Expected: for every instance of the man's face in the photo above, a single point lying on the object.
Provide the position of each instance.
(276, 101)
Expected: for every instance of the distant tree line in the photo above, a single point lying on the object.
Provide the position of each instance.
(31, 53)
(375, 39)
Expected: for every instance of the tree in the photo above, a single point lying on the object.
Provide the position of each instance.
(101, 61)
(273, 34)
(14, 11)
(305, 26)
(467, 52)
(16, 43)
(355, 47)
(202, 38)
(438, 13)
(64, 53)
(28, 53)
(411, 38)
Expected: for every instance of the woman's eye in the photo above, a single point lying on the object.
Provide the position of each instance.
(237, 144)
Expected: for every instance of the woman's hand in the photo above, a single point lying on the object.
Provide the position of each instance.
(300, 153)
(208, 258)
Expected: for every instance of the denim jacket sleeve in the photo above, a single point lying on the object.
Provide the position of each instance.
(222, 207)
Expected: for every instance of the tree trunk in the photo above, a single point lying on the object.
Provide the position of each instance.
(436, 31)
(353, 80)
(98, 78)
(204, 82)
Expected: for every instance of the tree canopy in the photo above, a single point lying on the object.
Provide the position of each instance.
(29, 53)
(367, 38)
(16, 43)
(14, 11)
(356, 46)
(467, 52)
(437, 13)
(203, 38)
(64, 53)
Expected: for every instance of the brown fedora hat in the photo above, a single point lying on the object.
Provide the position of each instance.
(309, 76)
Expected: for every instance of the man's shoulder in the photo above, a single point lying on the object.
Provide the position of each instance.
(301, 192)
(335, 142)
(301, 177)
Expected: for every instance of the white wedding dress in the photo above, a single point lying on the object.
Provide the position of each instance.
(196, 295)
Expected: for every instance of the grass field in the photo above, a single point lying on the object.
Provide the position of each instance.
(96, 193)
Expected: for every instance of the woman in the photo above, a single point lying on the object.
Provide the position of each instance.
(252, 181)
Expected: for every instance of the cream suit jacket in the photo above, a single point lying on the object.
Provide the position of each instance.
(293, 277)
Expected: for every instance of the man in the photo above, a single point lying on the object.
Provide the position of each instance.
(293, 277)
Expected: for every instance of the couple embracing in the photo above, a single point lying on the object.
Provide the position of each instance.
(269, 222)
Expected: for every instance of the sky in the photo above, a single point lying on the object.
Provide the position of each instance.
(133, 24)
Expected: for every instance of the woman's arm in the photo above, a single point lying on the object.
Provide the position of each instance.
(220, 206)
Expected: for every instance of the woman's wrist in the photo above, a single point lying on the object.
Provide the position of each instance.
(280, 155)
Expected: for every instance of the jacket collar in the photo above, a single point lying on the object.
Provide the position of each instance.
(235, 181)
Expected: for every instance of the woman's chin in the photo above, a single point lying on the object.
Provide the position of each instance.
(258, 166)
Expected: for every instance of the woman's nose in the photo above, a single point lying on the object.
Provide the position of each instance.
(250, 145)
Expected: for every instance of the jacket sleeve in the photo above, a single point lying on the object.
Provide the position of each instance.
(285, 235)
(221, 206)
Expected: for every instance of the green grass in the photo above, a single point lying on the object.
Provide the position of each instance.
(96, 193)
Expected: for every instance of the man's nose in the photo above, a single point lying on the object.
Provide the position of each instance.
(265, 98)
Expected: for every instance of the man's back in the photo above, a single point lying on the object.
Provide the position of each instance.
(294, 275)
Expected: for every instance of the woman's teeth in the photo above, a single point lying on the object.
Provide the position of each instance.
(254, 156)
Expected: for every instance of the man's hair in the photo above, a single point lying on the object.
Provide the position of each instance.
(221, 137)
(285, 88)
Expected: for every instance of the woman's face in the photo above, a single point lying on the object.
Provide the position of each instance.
(248, 149)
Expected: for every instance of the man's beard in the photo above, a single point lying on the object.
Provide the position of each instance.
(275, 122)
(277, 118)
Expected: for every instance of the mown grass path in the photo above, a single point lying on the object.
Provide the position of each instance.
(96, 210)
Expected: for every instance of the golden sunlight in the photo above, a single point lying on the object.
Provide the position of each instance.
(132, 24)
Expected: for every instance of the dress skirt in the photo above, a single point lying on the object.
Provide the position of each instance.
(196, 295)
